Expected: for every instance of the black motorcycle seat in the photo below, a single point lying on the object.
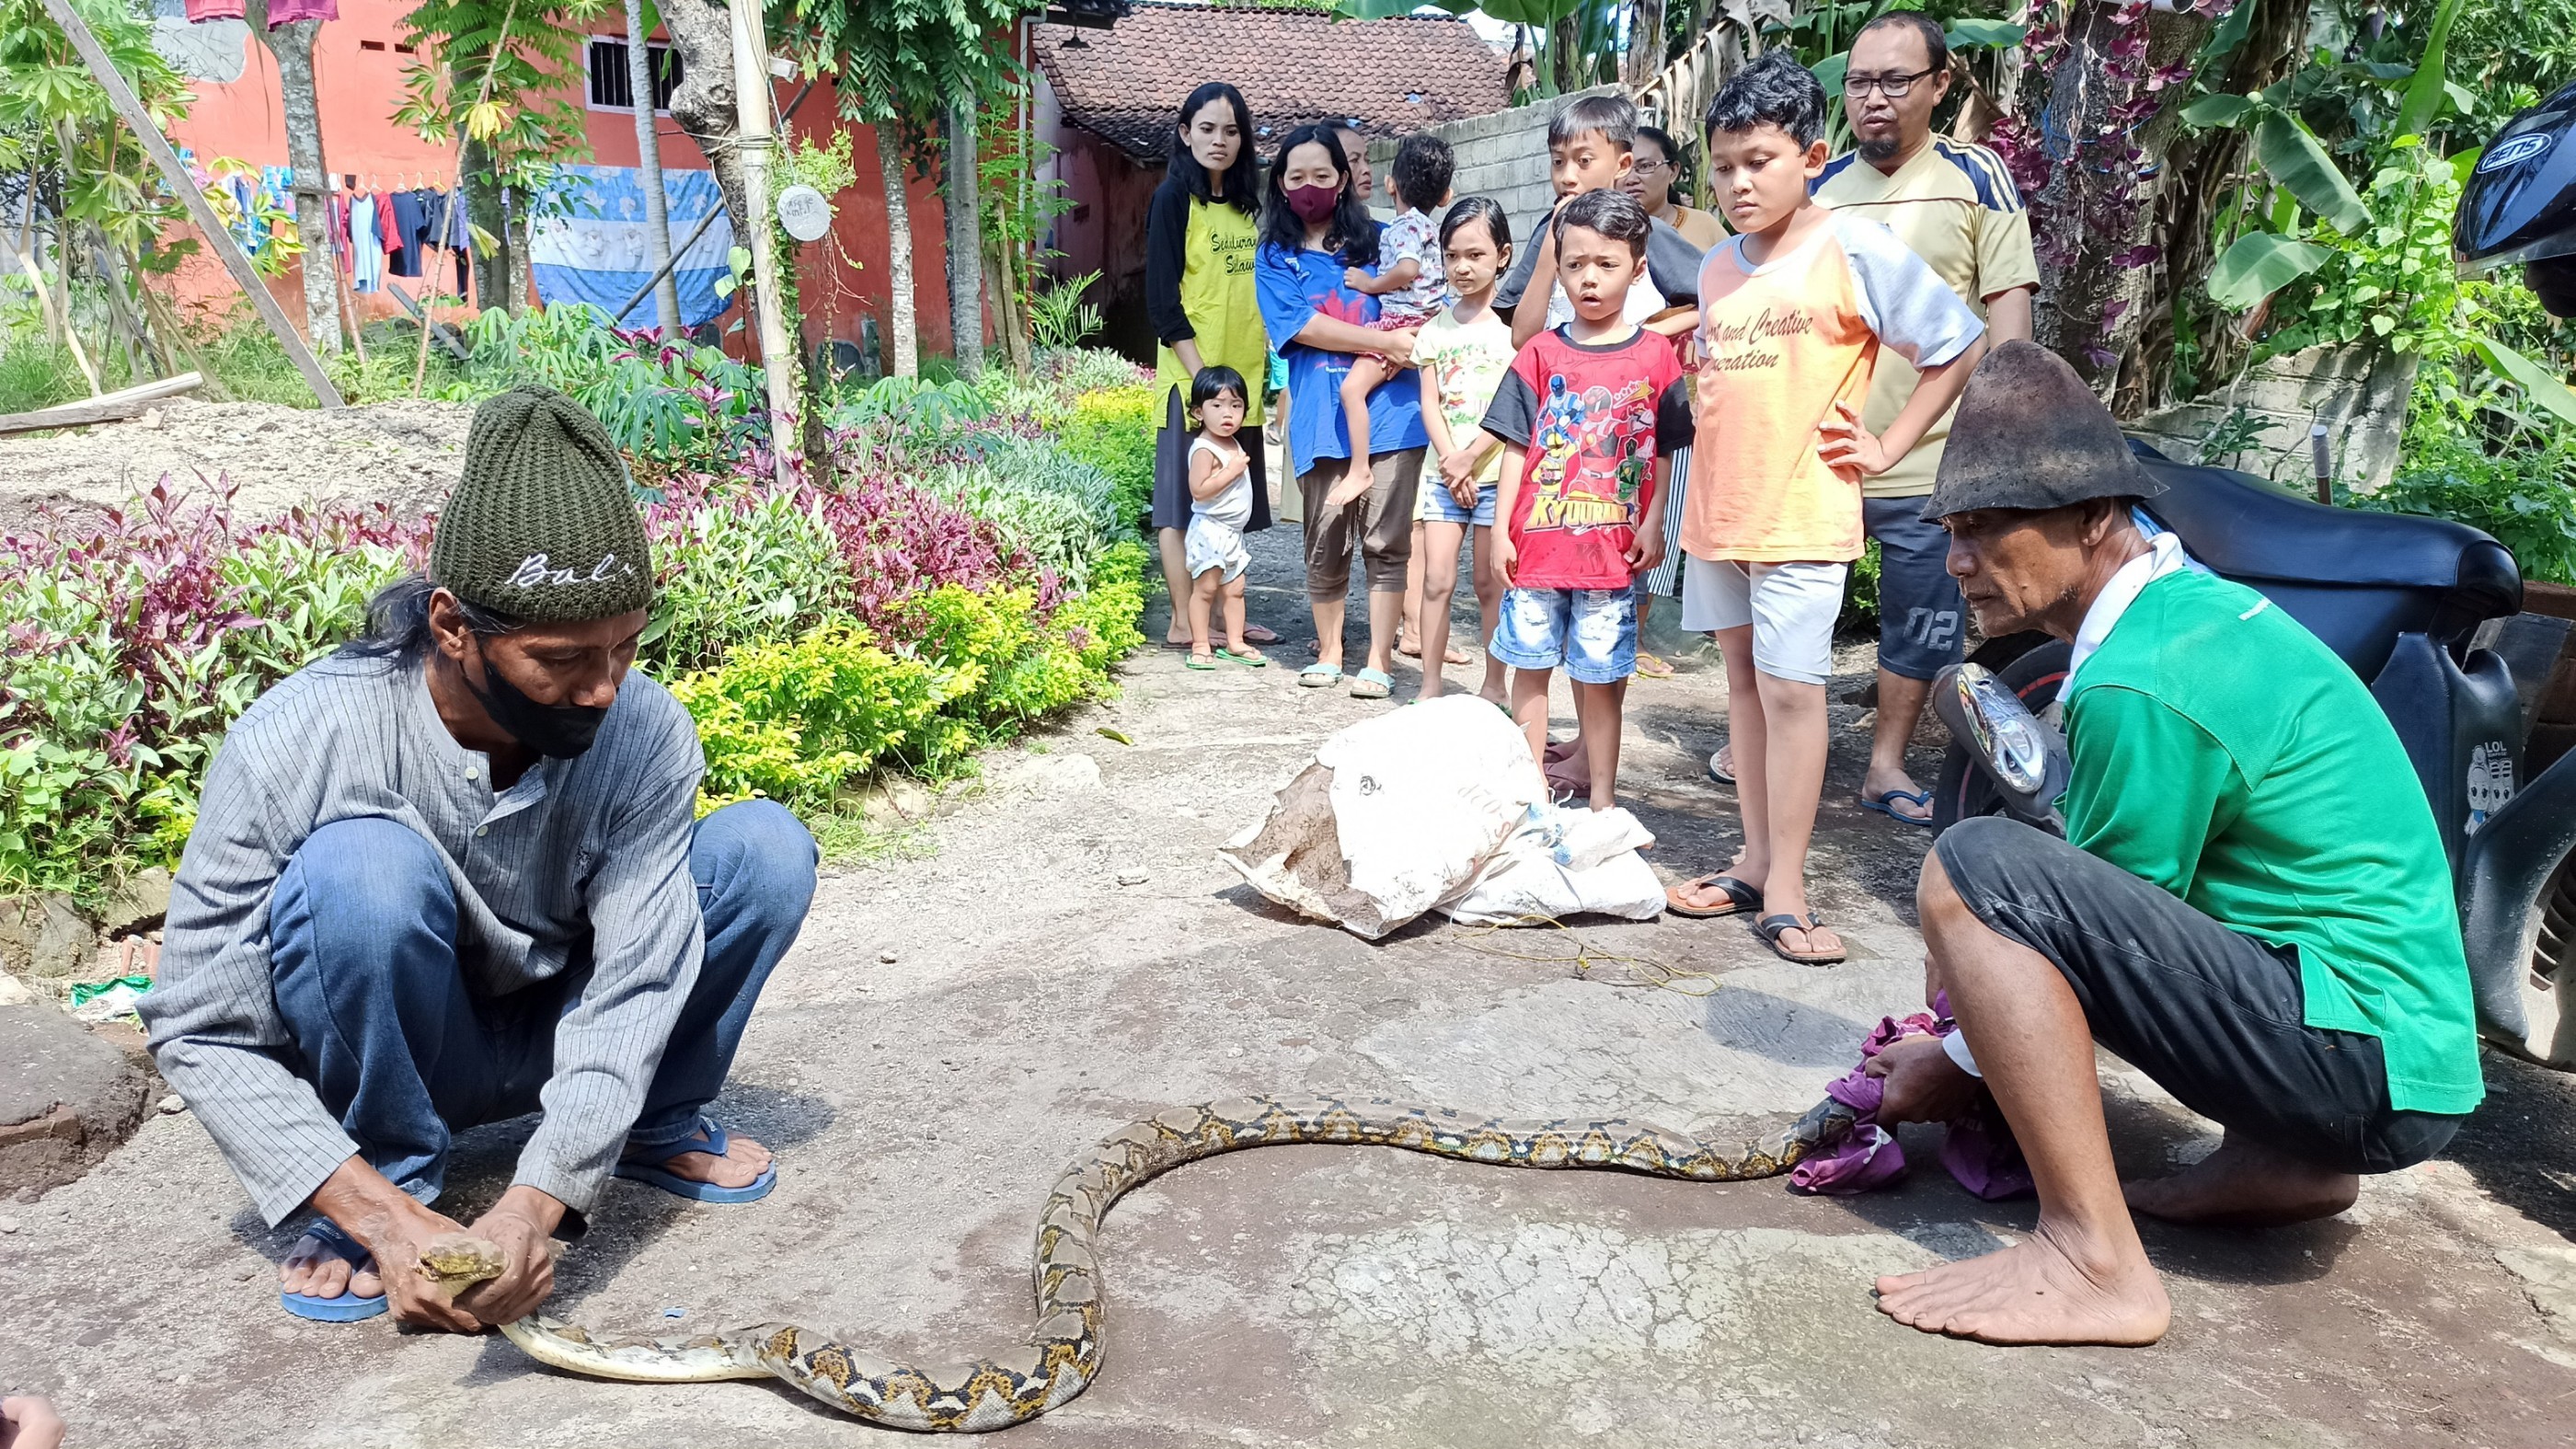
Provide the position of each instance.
(2247, 530)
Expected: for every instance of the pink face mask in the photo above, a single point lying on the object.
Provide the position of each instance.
(1313, 203)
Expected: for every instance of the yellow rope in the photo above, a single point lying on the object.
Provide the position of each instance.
(1649, 972)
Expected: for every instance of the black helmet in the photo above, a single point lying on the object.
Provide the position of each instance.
(2520, 203)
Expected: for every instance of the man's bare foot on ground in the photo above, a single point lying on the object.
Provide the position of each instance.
(318, 1271)
(2036, 1291)
(2245, 1184)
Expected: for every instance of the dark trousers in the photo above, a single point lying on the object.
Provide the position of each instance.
(2215, 1016)
(362, 937)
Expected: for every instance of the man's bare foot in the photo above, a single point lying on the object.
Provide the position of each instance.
(2036, 1291)
(1354, 486)
(741, 1166)
(1256, 634)
(315, 1269)
(2245, 1184)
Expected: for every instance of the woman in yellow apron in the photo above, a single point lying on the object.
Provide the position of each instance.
(1199, 238)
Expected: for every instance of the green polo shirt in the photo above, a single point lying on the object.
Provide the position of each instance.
(2223, 753)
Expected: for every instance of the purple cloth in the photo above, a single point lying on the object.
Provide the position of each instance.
(1978, 1148)
(285, 12)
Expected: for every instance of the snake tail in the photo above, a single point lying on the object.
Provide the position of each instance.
(1063, 1354)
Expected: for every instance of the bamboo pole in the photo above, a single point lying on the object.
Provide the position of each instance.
(755, 139)
(456, 198)
(128, 106)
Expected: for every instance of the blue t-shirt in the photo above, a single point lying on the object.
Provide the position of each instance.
(1294, 287)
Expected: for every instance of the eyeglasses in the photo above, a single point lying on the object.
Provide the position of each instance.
(1893, 87)
(1645, 166)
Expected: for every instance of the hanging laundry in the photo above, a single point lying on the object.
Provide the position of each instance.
(201, 11)
(409, 223)
(366, 245)
(282, 12)
(594, 248)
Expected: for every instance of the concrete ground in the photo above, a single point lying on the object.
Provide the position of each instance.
(961, 1019)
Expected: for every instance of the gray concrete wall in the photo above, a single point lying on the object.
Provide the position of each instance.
(2359, 393)
(1502, 155)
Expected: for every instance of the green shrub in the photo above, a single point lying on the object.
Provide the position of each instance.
(1113, 431)
(742, 568)
(1090, 369)
(2521, 495)
(803, 720)
(1860, 594)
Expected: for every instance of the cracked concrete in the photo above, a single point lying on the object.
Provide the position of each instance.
(1317, 1296)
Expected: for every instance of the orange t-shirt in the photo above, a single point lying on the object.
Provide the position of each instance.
(1780, 345)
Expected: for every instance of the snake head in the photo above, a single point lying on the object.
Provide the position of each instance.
(458, 1261)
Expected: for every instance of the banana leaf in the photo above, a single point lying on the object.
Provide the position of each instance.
(2550, 392)
(2293, 156)
(2258, 264)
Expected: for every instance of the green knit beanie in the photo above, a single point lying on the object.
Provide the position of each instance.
(542, 526)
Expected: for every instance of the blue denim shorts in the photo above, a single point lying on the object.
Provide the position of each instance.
(1439, 506)
(1592, 633)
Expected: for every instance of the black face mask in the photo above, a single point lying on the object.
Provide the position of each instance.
(556, 731)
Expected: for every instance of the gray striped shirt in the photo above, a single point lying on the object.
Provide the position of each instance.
(592, 848)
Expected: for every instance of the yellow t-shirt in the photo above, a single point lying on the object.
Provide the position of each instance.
(1218, 296)
(1781, 344)
(1953, 205)
(1700, 228)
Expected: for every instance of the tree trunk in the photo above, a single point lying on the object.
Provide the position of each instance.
(1564, 40)
(965, 242)
(902, 327)
(2206, 171)
(1645, 54)
(292, 45)
(704, 103)
(648, 165)
(483, 212)
(1001, 279)
(2094, 223)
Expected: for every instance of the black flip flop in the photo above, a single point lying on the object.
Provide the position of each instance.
(1741, 899)
(1773, 927)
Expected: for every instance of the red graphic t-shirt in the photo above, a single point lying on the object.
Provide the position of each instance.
(1594, 417)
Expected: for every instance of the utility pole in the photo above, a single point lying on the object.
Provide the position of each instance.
(755, 141)
(648, 166)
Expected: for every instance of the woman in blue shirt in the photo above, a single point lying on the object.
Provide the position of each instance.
(1313, 229)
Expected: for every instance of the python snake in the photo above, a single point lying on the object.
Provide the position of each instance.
(1063, 1354)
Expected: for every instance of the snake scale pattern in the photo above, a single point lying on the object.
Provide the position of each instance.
(1063, 1354)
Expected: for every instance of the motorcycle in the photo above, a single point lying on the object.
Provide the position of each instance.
(2406, 602)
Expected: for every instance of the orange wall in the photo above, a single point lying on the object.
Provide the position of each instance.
(844, 276)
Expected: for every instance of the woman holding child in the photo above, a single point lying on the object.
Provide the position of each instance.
(1314, 232)
(1200, 234)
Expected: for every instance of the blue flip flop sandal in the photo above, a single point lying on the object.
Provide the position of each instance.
(348, 1307)
(1371, 684)
(646, 1167)
(1911, 797)
(1320, 676)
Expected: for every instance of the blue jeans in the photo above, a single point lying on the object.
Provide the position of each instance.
(362, 941)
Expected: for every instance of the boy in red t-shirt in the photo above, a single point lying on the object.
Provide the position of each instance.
(1586, 416)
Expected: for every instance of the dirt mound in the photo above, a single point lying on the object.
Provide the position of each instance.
(403, 453)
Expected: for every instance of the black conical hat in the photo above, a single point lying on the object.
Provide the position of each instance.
(2030, 434)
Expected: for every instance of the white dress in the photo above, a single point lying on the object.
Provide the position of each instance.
(1215, 536)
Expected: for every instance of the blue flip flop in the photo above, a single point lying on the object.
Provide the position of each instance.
(646, 1167)
(348, 1307)
(1912, 797)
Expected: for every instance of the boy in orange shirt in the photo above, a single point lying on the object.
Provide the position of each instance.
(1793, 311)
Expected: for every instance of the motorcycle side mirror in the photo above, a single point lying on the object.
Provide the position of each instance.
(2025, 758)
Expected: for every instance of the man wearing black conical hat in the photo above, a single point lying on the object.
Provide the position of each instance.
(453, 875)
(2233, 910)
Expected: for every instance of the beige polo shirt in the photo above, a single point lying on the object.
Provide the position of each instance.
(1953, 205)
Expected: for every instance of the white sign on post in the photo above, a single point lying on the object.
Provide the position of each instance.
(804, 212)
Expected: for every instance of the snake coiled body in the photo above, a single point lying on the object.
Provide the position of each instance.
(1063, 1354)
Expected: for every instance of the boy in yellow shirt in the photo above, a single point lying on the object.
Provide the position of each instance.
(1793, 312)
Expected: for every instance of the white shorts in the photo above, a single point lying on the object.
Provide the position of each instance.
(1791, 606)
(1210, 544)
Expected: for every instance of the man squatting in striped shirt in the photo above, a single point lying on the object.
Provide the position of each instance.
(451, 875)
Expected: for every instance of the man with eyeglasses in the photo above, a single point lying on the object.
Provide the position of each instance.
(1955, 206)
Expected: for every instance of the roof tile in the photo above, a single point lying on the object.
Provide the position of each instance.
(1396, 76)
